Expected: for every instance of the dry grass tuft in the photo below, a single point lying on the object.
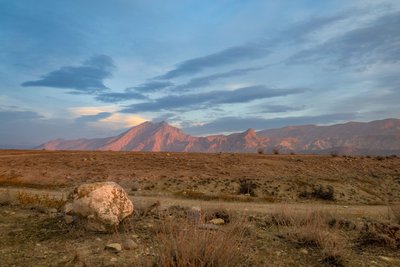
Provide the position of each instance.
(45, 200)
(185, 244)
(396, 212)
(383, 234)
(311, 230)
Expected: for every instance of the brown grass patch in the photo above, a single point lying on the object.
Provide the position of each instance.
(185, 244)
(25, 198)
(191, 194)
(311, 230)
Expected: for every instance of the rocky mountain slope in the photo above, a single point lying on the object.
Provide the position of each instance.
(375, 138)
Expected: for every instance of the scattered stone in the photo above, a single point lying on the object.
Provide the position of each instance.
(53, 210)
(101, 206)
(389, 260)
(134, 236)
(304, 251)
(68, 219)
(114, 260)
(129, 244)
(217, 221)
(114, 247)
(98, 239)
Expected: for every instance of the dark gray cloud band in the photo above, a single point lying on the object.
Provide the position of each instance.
(87, 78)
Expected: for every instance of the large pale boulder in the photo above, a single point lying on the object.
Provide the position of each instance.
(101, 206)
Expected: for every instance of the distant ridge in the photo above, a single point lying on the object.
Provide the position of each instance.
(380, 137)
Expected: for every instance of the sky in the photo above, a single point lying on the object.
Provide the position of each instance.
(93, 68)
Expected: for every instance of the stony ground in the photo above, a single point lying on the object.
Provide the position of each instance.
(272, 224)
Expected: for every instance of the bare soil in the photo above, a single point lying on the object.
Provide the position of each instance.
(34, 234)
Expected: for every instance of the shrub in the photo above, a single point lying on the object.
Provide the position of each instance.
(310, 229)
(334, 154)
(260, 151)
(247, 187)
(384, 234)
(185, 244)
(275, 151)
(320, 192)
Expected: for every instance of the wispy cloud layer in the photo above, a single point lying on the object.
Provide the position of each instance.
(232, 124)
(377, 42)
(228, 56)
(209, 99)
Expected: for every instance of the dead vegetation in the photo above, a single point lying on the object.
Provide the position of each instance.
(28, 199)
(185, 244)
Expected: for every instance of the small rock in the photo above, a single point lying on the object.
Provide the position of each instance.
(68, 219)
(345, 207)
(53, 210)
(114, 260)
(135, 236)
(304, 251)
(388, 259)
(217, 221)
(114, 247)
(68, 208)
(98, 239)
(129, 244)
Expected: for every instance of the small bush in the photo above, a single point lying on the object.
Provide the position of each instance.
(384, 234)
(310, 229)
(185, 244)
(334, 154)
(260, 151)
(320, 192)
(247, 187)
(275, 151)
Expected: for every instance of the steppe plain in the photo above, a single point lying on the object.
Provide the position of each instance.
(299, 210)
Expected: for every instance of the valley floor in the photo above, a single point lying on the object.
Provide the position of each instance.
(285, 221)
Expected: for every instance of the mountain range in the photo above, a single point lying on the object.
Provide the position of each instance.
(381, 137)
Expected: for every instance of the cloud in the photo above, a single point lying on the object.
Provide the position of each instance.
(151, 86)
(207, 80)
(164, 117)
(118, 121)
(276, 108)
(210, 99)
(377, 42)
(93, 118)
(86, 78)
(119, 97)
(232, 124)
(105, 117)
(225, 57)
(12, 115)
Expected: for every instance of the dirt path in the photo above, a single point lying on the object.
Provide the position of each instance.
(358, 211)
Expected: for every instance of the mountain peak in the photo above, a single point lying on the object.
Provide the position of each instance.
(373, 138)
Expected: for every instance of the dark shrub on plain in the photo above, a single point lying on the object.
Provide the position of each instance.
(247, 187)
